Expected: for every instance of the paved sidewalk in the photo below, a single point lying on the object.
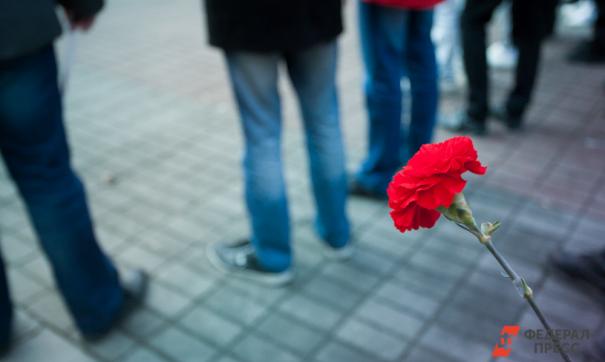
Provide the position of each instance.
(156, 138)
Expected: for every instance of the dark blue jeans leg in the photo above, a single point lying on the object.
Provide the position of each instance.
(254, 79)
(34, 147)
(383, 35)
(422, 72)
(313, 74)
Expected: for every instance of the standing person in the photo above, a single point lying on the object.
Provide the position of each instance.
(34, 147)
(593, 50)
(256, 38)
(396, 43)
(527, 34)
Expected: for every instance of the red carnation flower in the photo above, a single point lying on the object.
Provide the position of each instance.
(430, 180)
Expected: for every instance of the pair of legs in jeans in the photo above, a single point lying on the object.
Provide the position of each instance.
(396, 43)
(34, 148)
(254, 78)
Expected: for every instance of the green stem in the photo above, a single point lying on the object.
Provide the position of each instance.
(524, 289)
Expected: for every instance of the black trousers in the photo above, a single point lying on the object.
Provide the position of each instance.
(599, 26)
(528, 33)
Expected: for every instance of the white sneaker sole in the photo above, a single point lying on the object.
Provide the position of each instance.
(342, 254)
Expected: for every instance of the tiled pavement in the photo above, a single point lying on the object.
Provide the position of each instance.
(156, 138)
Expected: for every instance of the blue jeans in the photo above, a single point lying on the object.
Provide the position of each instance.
(254, 80)
(396, 43)
(34, 148)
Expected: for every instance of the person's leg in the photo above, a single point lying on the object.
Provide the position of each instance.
(254, 82)
(422, 72)
(313, 74)
(6, 309)
(382, 32)
(528, 33)
(34, 147)
(599, 27)
(475, 16)
(592, 51)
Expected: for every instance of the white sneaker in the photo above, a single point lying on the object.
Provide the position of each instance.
(340, 254)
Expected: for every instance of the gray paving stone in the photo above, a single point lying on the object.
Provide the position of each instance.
(112, 347)
(181, 346)
(421, 354)
(310, 311)
(185, 280)
(482, 329)
(372, 340)
(211, 326)
(332, 292)
(50, 309)
(349, 275)
(24, 325)
(428, 281)
(569, 313)
(23, 288)
(143, 323)
(235, 306)
(401, 295)
(460, 255)
(449, 343)
(255, 349)
(291, 333)
(40, 269)
(424, 259)
(389, 242)
(379, 262)
(46, 344)
(144, 355)
(337, 351)
(261, 293)
(137, 256)
(227, 359)
(15, 250)
(487, 305)
(167, 302)
(159, 243)
(389, 318)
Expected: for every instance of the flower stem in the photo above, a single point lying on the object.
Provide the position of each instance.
(527, 294)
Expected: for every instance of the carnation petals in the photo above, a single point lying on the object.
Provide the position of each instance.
(430, 180)
(414, 217)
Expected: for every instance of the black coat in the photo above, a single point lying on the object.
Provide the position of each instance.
(272, 25)
(29, 25)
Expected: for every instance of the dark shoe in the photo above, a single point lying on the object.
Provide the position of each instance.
(135, 283)
(355, 189)
(512, 122)
(239, 258)
(588, 268)
(463, 123)
(587, 52)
